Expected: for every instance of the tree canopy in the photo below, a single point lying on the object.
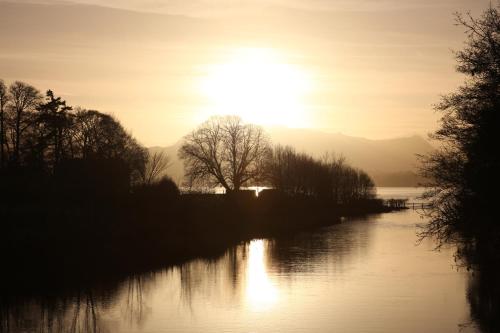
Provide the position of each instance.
(42, 134)
(464, 170)
(224, 151)
(329, 178)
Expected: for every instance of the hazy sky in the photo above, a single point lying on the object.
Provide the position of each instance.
(361, 67)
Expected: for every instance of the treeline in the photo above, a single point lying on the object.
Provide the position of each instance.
(328, 178)
(224, 151)
(47, 145)
(44, 143)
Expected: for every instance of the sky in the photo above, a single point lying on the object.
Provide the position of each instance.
(369, 68)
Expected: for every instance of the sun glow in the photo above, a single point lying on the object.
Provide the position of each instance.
(260, 291)
(259, 86)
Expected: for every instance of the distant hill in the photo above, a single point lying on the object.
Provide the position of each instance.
(390, 162)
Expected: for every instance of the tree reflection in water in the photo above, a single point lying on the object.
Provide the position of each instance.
(135, 308)
(73, 314)
(293, 281)
(239, 276)
(483, 294)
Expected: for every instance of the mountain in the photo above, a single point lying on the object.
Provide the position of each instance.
(390, 162)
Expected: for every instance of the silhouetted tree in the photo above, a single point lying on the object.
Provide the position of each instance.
(4, 99)
(224, 151)
(330, 178)
(280, 168)
(45, 136)
(24, 100)
(365, 186)
(464, 171)
(54, 122)
(337, 167)
(100, 136)
(156, 166)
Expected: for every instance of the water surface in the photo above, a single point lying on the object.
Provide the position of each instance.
(364, 275)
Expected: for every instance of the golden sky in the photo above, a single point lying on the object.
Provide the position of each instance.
(370, 68)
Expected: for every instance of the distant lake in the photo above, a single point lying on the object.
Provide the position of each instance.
(363, 275)
(410, 193)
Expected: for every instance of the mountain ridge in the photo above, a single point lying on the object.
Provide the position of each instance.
(390, 162)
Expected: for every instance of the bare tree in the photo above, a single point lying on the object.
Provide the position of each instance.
(156, 166)
(4, 99)
(463, 172)
(25, 98)
(224, 151)
(328, 178)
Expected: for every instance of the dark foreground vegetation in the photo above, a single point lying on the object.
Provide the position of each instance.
(69, 255)
(150, 228)
(465, 190)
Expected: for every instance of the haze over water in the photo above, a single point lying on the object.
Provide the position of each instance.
(364, 275)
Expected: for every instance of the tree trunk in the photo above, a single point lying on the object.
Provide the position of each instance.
(18, 138)
(236, 183)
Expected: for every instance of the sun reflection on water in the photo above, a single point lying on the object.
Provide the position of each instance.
(261, 293)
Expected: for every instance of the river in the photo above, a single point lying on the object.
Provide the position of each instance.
(363, 275)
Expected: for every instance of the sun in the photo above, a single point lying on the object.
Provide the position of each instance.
(258, 85)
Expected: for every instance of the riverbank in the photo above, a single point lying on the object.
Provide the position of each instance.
(136, 233)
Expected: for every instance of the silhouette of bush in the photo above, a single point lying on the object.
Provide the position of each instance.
(161, 191)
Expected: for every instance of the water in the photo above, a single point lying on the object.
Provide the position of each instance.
(364, 275)
(411, 193)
